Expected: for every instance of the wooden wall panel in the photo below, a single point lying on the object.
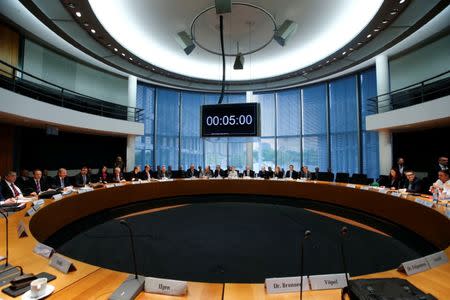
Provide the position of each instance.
(9, 49)
(6, 148)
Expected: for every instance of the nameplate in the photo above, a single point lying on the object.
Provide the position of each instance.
(165, 180)
(136, 182)
(352, 186)
(21, 231)
(38, 203)
(119, 184)
(57, 197)
(109, 185)
(396, 194)
(301, 179)
(414, 266)
(424, 202)
(365, 187)
(85, 190)
(43, 250)
(285, 284)
(165, 286)
(248, 177)
(436, 259)
(383, 191)
(61, 263)
(328, 281)
(31, 212)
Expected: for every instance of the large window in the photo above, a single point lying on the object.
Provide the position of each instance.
(321, 125)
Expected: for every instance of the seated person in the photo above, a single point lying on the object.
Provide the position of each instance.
(315, 175)
(207, 172)
(163, 173)
(9, 188)
(442, 185)
(305, 173)
(61, 180)
(135, 175)
(22, 181)
(412, 184)
(181, 173)
(146, 174)
(291, 173)
(394, 181)
(270, 172)
(278, 173)
(117, 175)
(233, 174)
(103, 175)
(169, 171)
(82, 178)
(191, 172)
(37, 184)
(263, 173)
(218, 172)
(248, 172)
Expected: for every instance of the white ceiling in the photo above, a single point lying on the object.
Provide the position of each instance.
(148, 29)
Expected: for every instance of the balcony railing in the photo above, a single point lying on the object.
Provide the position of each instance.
(427, 90)
(18, 81)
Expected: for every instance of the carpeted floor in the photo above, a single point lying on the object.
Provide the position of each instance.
(234, 242)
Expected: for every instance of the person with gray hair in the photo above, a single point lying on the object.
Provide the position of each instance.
(61, 180)
(9, 190)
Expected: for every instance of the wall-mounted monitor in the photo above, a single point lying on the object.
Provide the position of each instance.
(228, 120)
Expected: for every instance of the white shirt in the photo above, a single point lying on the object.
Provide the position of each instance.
(17, 188)
(233, 174)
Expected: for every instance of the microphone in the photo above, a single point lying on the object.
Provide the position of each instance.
(344, 232)
(133, 285)
(305, 237)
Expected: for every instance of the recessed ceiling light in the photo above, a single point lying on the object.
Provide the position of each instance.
(369, 35)
(334, 58)
(109, 45)
(401, 1)
(393, 12)
(131, 58)
(345, 52)
(328, 61)
(350, 49)
(320, 66)
(376, 29)
(384, 21)
(93, 30)
(115, 49)
(86, 24)
(71, 5)
(123, 54)
(78, 14)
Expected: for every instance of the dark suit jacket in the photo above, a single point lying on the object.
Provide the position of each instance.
(264, 174)
(6, 190)
(294, 174)
(190, 173)
(78, 180)
(433, 172)
(32, 185)
(57, 182)
(161, 175)
(416, 186)
(114, 179)
(250, 173)
(279, 175)
(222, 173)
(144, 175)
(22, 183)
(306, 175)
(133, 176)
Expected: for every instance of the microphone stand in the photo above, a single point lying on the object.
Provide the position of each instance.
(305, 237)
(133, 285)
(344, 232)
(5, 274)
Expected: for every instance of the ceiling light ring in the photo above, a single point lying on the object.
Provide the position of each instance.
(266, 12)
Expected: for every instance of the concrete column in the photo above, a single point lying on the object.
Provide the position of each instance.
(384, 137)
(132, 90)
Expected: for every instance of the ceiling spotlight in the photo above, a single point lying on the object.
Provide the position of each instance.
(369, 35)
(350, 49)
(376, 29)
(393, 12)
(185, 41)
(239, 62)
(131, 58)
(78, 14)
(86, 24)
(115, 49)
(359, 43)
(384, 21)
(93, 30)
(327, 61)
(285, 31)
(123, 54)
(71, 5)
(401, 1)
(345, 52)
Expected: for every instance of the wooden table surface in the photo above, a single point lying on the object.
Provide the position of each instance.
(92, 282)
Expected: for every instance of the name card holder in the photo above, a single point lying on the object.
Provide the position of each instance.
(285, 284)
(364, 187)
(38, 202)
(109, 185)
(414, 266)
(328, 281)
(396, 194)
(428, 204)
(436, 259)
(165, 286)
(57, 197)
(31, 212)
(61, 263)
(21, 231)
(43, 250)
(136, 182)
(383, 191)
(352, 186)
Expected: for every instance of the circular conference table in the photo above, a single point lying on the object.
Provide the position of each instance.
(93, 282)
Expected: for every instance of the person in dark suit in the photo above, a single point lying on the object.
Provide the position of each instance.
(9, 188)
(61, 180)
(394, 180)
(278, 173)
(103, 175)
(218, 172)
(412, 184)
(315, 175)
(291, 173)
(248, 172)
(82, 178)
(117, 175)
(135, 175)
(263, 173)
(191, 172)
(146, 174)
(401, 167)
(37, 184)
(442, 164)
(181, 173)
(3, 201)
(163, 173)
(305, 173)
(22, 180)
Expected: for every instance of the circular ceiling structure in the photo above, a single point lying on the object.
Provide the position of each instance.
(147, 29)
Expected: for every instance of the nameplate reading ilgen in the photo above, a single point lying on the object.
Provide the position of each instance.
(436, 259)
(165, 286)
(286, 284)
(328, 281)
(414, 266)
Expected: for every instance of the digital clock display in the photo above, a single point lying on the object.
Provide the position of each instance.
(230, 120)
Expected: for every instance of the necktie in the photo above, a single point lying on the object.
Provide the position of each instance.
(62, 182)
(290, 174)
(84, 179)
(38, 186)
(16, 192)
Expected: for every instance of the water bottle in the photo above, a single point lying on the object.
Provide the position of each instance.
(435, 196)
